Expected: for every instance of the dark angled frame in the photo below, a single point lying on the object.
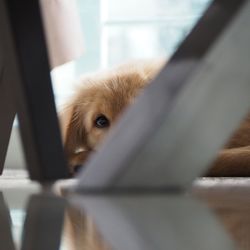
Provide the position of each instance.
(7, 112)
(26, 88)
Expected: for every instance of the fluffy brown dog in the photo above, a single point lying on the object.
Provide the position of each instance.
(98, 103)
(101, 99)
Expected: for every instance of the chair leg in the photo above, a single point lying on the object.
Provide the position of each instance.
(27, 70)
(7, 112)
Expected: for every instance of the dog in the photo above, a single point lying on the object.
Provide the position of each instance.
(101, 99)
(98, 103)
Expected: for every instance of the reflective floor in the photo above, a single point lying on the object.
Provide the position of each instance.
(229, 200)
(214, 214)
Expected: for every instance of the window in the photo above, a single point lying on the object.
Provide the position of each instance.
(119, 30)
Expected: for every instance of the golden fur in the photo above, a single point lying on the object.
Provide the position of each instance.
(234, 159)
(109, 93)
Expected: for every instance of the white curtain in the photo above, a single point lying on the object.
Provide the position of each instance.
(63, 30)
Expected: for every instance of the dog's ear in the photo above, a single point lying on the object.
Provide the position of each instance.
(74, 136)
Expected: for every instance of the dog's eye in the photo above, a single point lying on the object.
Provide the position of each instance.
(102, 121)
(77, 168)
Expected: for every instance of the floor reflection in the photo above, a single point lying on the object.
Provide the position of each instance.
(81, 232)
(229, 199)
(132, 221)
(5, 225)
(154, 222)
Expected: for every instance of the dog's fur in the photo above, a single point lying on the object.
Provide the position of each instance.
(108, 94)
(234, 159)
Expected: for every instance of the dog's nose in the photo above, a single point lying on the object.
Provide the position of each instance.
(77, 168)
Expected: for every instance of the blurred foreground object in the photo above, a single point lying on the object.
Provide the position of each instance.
(63, 30)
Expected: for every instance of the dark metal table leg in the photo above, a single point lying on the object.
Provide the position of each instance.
(27, 70)
(7, 114)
